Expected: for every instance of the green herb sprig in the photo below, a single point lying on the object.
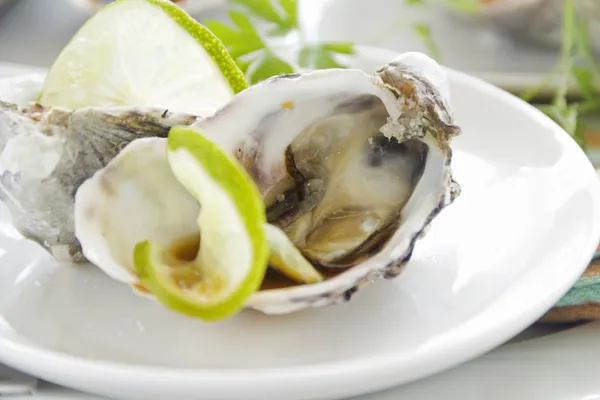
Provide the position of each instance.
(422, 30)
(577, 62)
(255, 51)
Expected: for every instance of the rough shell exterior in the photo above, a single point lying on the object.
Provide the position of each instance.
(46, 153)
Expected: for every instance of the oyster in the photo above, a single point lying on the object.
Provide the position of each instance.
(351, 166)
(46, 153)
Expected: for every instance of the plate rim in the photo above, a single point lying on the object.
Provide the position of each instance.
(380, 367)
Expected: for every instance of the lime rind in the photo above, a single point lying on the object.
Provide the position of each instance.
(235, 182)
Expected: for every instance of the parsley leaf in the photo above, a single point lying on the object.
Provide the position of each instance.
(424, 33)
(585, 81)
(321, 56)
(254, 50)
(240, 41)
(465, 6)
(248, 49)
(423, 30)
(268, 65)
(284, 20)
(577, 63)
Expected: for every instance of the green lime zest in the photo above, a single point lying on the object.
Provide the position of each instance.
(222, 300)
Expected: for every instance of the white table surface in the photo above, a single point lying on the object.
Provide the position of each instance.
(539, 363)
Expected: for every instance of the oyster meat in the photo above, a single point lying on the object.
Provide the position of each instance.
(352, 166)
(46, 153)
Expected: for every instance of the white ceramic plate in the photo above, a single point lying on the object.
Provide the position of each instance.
(517, 238)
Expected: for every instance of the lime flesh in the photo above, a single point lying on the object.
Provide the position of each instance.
(287, 259)
(143, 53)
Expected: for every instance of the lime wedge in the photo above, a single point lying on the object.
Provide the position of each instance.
(287, 259)
(231, 260)
(143, 53)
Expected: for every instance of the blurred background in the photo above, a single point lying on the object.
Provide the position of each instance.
(515, 44)
(482, 43)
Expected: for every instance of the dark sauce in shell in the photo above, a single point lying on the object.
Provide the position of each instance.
(185, 250)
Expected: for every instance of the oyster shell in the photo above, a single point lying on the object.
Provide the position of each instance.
(352, 166)
(46, 153)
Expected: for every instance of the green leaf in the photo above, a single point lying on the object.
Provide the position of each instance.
(578, 61)
(568, 27)
(579, 134)
(529, 94)
(305, 57)
(590, 107)
(566, 62)
(326, 60)
(268, 65)
(262, 9)
(284, 21)
(322, 56)
(424, 33)
(585, 81)
(341, 48)
(244, 65)
(245, 44)
(279, 30)
(568, 118)
(464, 6)
(585, 49)
(291, 10)
(238, 42)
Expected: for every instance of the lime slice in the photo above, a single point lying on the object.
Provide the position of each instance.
(287, 259)
(231, 260)
(146, 53)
